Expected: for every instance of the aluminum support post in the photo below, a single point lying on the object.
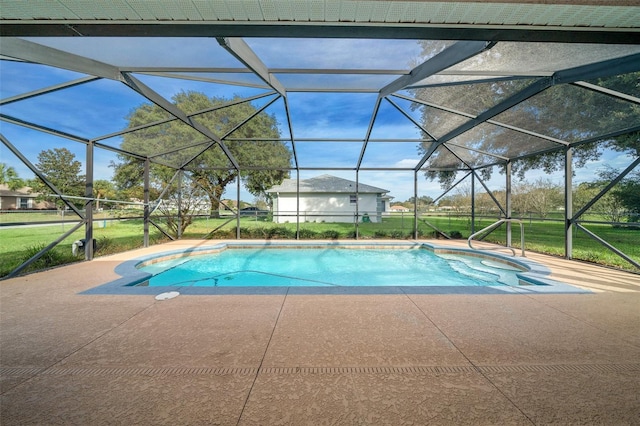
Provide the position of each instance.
(473, 203)
(357, 203)
(297, 204)
(179, 229)
(415, 204)
(147, 210)
(568, 203)
(88, 206)
(508, 202)
(238, 204)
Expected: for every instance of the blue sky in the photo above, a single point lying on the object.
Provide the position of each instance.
(101, 107)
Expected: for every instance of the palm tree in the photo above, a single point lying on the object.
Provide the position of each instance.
(9, 176)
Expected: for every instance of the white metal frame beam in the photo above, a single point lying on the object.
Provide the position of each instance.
(449, 57)
(157, 99)
(40, 54)
(241, 50)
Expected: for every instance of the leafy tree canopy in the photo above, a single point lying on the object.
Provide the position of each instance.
(9, 177)
(424, 200)
(175, 144)
(103, 189)
(564, 112)
(60, 167)
(623, 198)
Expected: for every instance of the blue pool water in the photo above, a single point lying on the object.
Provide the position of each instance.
(327, 267)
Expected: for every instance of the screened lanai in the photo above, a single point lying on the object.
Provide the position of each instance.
(396, 90)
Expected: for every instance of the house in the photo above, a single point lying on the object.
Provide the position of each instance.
(399, 209)
(21, 199)
(328, 198)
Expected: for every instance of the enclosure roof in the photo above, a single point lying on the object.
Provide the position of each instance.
(325, 184)
(406, 85)
(498, 20)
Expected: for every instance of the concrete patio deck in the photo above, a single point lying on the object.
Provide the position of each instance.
(67, 358)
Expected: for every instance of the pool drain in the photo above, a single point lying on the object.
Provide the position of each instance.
(168, 295)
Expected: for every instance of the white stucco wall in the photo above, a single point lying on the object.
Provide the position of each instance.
(324, 207)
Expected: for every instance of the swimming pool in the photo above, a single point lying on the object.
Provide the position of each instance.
(242, 267)
(295, 267)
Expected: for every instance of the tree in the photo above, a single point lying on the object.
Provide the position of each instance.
(60, 167)
(9, 177)
(484, 204)
(541, 197)
(424, 202)
(262, 203)
(103, 189)
(623, 200)
(459, 200)
(210, 168)
(565, 112)
(184, 200)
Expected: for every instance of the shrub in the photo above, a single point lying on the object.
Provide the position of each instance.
(424, 234)
(456, 235)
(380, 233)
(308, 234)
(53, 257)
(398, 235)
(222, 234)
(280, 232)
(106, 245)
(330, 234)
(351, 234)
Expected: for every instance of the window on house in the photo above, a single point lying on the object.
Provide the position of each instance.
(24, 203)
(353, 199)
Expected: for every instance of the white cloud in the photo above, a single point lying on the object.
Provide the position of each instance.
(335, 53)
(141, 51)
(406, 162)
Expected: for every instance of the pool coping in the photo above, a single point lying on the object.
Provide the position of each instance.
(534, 277)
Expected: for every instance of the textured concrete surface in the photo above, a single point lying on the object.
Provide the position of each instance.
(295, 359)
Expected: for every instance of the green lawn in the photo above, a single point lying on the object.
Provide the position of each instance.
(17, 245)
(548, 237)
(40, 216)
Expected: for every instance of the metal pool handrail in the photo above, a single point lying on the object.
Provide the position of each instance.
(492, 227)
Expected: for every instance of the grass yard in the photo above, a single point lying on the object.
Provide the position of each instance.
(19, 244)
(548, 237)
(43, 216)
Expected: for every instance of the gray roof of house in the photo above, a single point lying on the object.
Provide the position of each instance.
(22, 192)
(326, 184)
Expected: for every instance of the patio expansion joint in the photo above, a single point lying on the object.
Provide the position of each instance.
(264, 354)
(29, 373)
(471, 363)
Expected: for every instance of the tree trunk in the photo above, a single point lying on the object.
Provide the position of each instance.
(215, 191)
(214, 199)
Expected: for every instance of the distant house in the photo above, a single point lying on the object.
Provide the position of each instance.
(21, 199)
(400, 209)
(328, 198)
